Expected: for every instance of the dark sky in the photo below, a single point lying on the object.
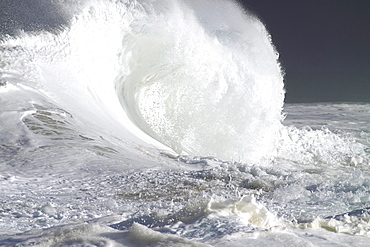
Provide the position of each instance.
(31, 15)
(324, 46)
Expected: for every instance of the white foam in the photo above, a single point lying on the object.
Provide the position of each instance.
(352, 225)
(249, 211)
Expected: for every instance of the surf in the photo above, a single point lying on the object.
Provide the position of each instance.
(89, 110)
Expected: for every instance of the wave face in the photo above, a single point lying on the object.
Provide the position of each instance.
(200, 77)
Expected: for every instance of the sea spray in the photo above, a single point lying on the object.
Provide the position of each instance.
(202, 80)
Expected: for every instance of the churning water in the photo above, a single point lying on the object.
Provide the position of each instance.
(162, 123)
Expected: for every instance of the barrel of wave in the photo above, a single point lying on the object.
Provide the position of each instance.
(203, 78)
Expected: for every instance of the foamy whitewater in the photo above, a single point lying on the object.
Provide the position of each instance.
(162, 123)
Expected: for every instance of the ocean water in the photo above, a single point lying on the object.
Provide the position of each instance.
(163, 123)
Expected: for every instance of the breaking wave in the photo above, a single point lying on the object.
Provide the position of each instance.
(199, 77)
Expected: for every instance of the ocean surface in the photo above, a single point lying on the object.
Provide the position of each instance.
(163, 123)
